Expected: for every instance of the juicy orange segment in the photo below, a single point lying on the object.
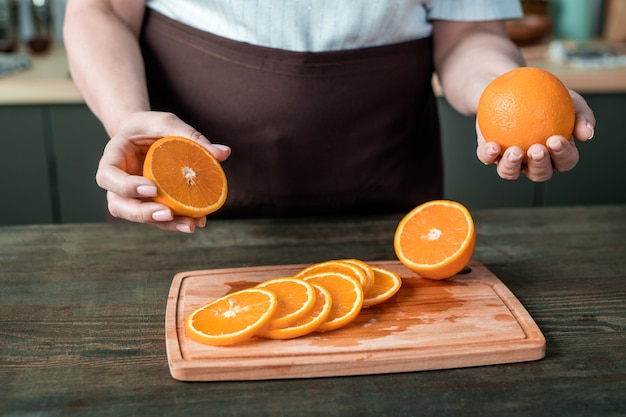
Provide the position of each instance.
(347, 296)
(295, 299)
(189, 180)
(386, 284)
(436, 239)
(308, 323)
(232, 318)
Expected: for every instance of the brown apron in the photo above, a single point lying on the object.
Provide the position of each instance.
(345, 132)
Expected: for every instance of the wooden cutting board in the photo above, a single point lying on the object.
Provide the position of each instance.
(472, 319)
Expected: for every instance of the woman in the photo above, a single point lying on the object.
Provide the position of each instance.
(327, 106)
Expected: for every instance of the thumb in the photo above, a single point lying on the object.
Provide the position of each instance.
(585, 124)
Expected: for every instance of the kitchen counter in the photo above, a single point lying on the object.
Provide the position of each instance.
(83, 307)
(48, 80)
(585, 81)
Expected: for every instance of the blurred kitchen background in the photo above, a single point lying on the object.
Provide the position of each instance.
(50, 143)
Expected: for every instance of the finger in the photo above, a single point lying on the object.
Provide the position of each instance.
(177, 224)
(137, 211)
(564, 153)
(119, 171)
(182, 224)
(220, 152)
(510, 165)
(539, 164)
(115, 180)
(157, 214)
(200, 221)
(584, 127)
(160, 124)
(488, 152)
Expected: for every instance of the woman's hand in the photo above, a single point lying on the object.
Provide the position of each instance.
(129, 194)
(559, 154)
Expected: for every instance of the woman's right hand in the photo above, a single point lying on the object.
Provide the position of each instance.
(129, 194)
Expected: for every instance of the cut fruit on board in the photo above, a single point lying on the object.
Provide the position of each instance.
(471, 319)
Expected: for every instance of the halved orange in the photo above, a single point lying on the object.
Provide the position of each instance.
(189, 180)
(232, 318)
(347, 296)
(296, 298)
(386, 284)
(341, 266)
(308, 323)
(436, 239)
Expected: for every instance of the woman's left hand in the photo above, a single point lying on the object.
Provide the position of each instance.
(559, 154)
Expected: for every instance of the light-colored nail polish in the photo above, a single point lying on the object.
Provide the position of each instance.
(182, 227)
(162, 215)
(537, 154)
(591, 131)
(555, 145)
(515, 156)
(147, 190)
(222, 148)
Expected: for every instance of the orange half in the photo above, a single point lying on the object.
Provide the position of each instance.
(189, 180)
(436, 239)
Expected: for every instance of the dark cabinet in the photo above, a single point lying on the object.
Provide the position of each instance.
(48, 159)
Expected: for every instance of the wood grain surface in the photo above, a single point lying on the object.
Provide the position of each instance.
(82, 314)
(470, 320)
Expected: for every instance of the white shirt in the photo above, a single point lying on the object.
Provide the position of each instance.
(327, 25)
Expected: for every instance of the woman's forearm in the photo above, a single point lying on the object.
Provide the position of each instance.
(470, 55)
(101, 39)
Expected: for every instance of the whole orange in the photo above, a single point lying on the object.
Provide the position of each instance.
(523, 107)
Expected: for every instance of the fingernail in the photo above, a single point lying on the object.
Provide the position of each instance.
(162, 215)
(492, 152)
(555, 145)
(222, 148)
(537, 154)
(182, 227)
(591, 131)
(515, 156)
(147, 190)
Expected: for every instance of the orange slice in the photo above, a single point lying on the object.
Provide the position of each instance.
(386, 284)
(295, 299)
(232, 318)
(308, 323)
(189, 180)
(367, 270)
(347, 296)
(436, 239)
(340, 266)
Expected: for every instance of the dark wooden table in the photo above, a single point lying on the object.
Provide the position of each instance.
(82, 318)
